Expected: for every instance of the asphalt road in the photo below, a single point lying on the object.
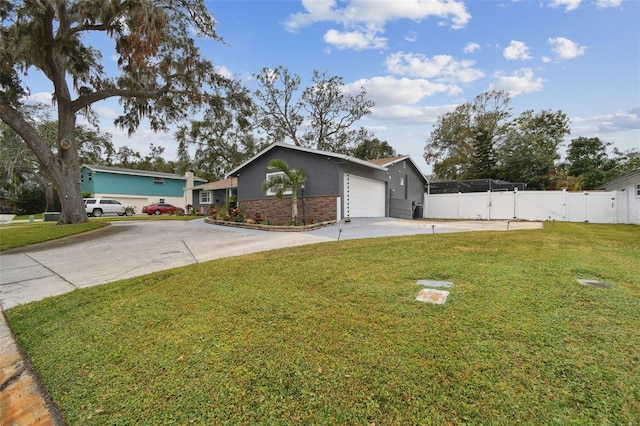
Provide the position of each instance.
(127, 249)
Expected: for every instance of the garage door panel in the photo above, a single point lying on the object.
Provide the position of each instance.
(364, 197)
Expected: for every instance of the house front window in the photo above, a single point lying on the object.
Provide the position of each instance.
(638, 190)
(158, 181)
(205, 197)
(270, 191)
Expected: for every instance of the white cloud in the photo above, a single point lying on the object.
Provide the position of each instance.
(516, 50)
(440, 67)
(621, 127)
(518, 82)
(377, 13)
(44, 98)
(608, 3)
(615, 122)
(224, 71)
(411, 36)
(568, 5)
(105, 112)
(410, 114)
(142, 139)
(565, 48)
(316, 11)
(388, 90)
(354, 40)
(471, 47)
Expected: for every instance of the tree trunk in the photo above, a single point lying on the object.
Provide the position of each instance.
(48, 190)
(71, 203)
(294, 208)
(62, 167)
(48, 196)
(65, 169)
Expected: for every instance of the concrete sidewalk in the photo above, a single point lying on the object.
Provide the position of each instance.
(132, 248)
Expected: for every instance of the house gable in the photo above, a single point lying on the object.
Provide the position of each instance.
(405, 184)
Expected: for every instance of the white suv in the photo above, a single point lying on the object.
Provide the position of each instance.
(100, 206)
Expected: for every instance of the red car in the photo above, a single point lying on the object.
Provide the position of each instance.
(160, 208)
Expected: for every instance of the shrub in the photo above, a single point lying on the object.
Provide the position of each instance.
(236, 215)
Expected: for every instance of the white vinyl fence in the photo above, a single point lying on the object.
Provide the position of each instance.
(595, 207)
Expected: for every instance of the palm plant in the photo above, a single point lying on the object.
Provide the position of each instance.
(289, 179)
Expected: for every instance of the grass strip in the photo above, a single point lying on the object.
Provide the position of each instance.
(14, 235)
(331, 334)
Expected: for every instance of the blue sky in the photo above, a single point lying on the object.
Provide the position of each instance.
(420, 59)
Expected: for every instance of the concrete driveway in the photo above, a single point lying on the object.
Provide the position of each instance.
(127, 249)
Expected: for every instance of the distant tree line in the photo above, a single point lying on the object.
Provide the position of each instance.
(483, 140)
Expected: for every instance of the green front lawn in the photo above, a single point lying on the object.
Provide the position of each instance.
(14, 235)
(331, 334)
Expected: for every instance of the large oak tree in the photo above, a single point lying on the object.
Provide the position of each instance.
(161, 75)
(321, 116)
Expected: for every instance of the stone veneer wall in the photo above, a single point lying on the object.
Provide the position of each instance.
(278, 211)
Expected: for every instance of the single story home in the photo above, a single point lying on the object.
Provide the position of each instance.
(213, 194)
(627, 199)
(338, 186)
(137, 187)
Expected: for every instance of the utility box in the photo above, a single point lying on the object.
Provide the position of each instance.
(418, 211)
(51, 216)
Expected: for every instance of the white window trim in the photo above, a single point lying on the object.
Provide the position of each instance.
(205, 197)
(638, 190)
(271, 192)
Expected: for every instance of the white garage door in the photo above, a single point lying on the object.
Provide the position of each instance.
(363, 197)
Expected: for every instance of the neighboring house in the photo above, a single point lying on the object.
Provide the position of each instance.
(338, 186)
(138, 187)
(628, 196)
(213, 194)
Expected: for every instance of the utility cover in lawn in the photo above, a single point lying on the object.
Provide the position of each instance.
(432, 296)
